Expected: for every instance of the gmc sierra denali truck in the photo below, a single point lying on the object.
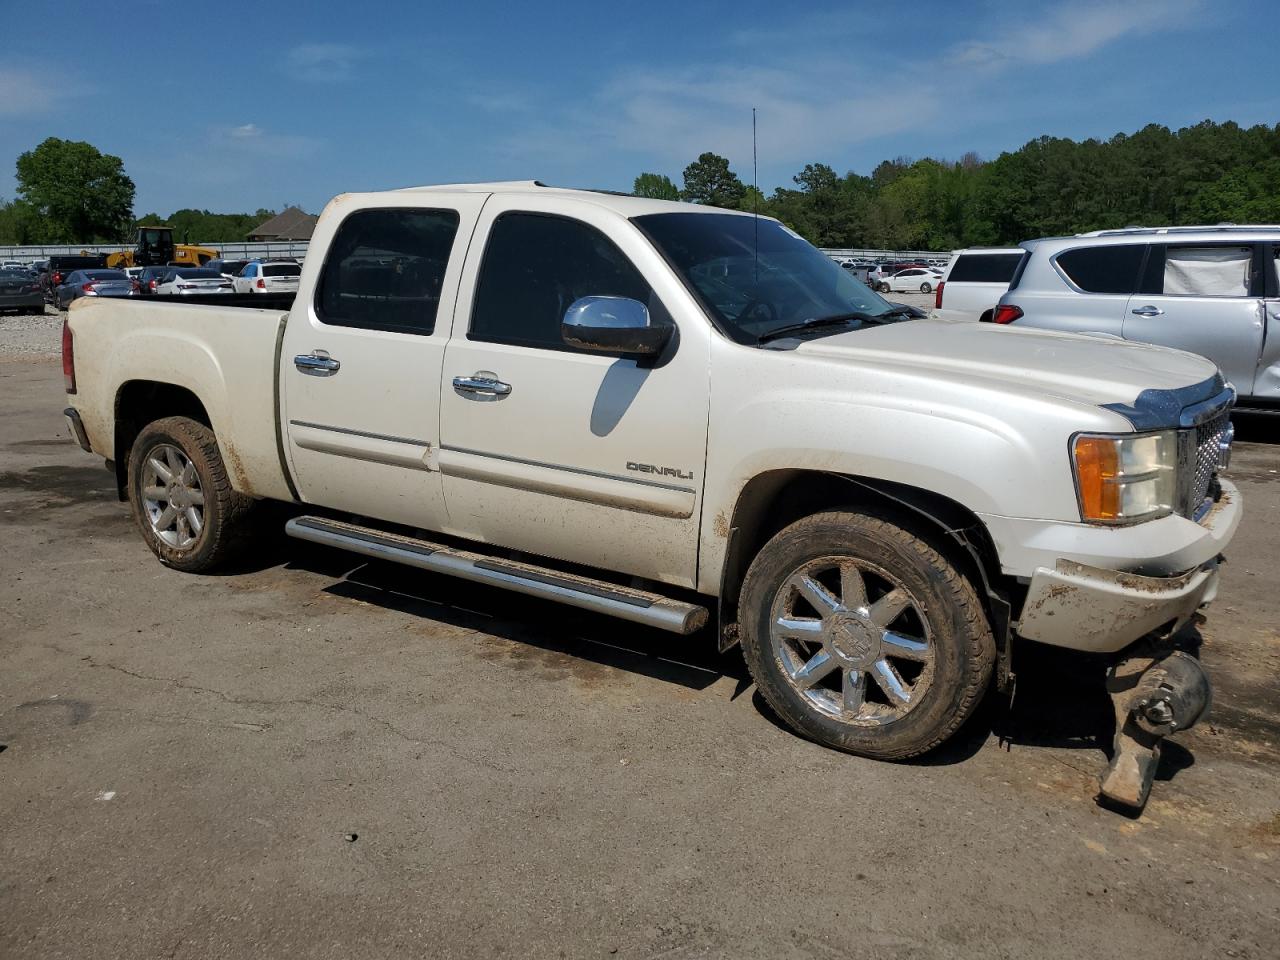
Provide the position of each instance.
(663, 411)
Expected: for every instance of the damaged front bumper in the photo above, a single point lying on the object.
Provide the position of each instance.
(1102, 611)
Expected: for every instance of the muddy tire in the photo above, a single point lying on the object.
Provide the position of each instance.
(863, 637)
(182, 499)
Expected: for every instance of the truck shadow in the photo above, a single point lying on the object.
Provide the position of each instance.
(540, 626)
(1060, 700)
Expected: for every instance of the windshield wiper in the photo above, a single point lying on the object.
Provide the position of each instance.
(813, 323)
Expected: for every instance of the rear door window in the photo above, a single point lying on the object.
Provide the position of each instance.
(384, 270)
(984, 267)
(1205, 270)
(1111, 268)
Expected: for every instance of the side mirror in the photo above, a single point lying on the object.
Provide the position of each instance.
(612, 325)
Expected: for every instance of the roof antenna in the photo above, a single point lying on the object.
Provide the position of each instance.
(755, 200)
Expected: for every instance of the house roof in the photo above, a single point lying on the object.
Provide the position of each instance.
(289, 224)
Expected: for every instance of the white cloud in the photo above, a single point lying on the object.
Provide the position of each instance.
(322, 62)
(249, 139)
(810, 107)
(1071, 31)
(28, 91)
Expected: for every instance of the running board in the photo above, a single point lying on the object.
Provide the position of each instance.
(638, 606)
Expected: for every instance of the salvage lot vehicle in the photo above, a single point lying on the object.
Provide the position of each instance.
(1210, 290)
(270, 276)
(909, 281)
(20, 291)
(92, 283)
(191, 281)
(681, 408)
(974, 281)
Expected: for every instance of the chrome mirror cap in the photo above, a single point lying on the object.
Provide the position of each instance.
(616, 325)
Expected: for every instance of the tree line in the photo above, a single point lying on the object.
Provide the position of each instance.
(69, 192)
(1050, 186)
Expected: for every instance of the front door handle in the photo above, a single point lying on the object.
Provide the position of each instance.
(317, 363)
(481, 385)
(1147, 311)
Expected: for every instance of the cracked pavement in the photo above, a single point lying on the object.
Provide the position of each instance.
(185, 757)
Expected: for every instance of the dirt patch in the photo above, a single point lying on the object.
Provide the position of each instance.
(61, 486)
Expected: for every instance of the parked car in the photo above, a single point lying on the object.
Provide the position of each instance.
(61, 267)
(190, 281)
(149, 279)
(228, 268)
(20, 291)
(92, 283)
(269, 276)
(974, 281)
(1209, 290)
(912, 280)
(666, 410)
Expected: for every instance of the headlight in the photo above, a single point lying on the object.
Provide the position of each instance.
(1126, 478)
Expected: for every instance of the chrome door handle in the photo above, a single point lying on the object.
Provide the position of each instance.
(481, 385)
(1147, 311)
(318, 363)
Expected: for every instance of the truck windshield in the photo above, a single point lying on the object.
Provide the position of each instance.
(755, 277)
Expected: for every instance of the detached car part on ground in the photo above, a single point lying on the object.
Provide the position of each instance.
(686, 412)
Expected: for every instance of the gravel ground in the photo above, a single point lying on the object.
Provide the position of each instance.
(31, 336)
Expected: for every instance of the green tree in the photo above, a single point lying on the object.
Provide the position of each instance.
(655, 186)
(19, 223)
(709, 180)
(79, 194)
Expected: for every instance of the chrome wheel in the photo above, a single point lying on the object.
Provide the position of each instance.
(172, 497)
(852, 641)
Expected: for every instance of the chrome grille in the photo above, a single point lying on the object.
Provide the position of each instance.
(1201, 451)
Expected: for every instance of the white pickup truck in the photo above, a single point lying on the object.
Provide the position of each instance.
(659, 411)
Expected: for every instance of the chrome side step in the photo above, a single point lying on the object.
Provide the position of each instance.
(638, 606)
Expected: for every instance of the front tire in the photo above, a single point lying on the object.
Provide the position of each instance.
(884, 288)
(182, 499)
(864, 638)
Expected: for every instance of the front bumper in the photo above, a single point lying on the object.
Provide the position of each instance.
(1102, 611)
(1098, 589)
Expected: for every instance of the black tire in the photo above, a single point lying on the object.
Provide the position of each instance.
(926, 287)
(226, 513)
(952, 683)
(884, 288)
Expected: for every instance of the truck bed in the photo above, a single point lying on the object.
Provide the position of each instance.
(223, 354)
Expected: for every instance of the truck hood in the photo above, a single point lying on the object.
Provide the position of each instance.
(1099, 371)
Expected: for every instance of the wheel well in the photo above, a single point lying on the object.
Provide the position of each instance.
(140, 402)
(777, 499)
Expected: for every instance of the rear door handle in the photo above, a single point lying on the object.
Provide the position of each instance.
(481, 385)
(1147, 311)
(317, 363)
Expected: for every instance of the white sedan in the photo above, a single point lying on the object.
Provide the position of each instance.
(268, 277)
(915, 279)
(187, 281)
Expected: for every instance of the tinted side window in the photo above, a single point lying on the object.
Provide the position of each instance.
(385, 268)
(984, 268)
(1103, 269)
(535, 266)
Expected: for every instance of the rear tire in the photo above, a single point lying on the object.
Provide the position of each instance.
(926, 288)
(182, 499)
(900, 651)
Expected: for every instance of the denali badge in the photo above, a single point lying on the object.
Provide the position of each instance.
(660, 471)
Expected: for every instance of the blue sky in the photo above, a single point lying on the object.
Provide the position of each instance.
(232, 107)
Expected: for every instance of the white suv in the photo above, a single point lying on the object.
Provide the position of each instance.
(974, 282)
(1210, 290)
(269, 276)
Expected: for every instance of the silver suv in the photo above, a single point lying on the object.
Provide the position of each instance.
(1209, 290)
